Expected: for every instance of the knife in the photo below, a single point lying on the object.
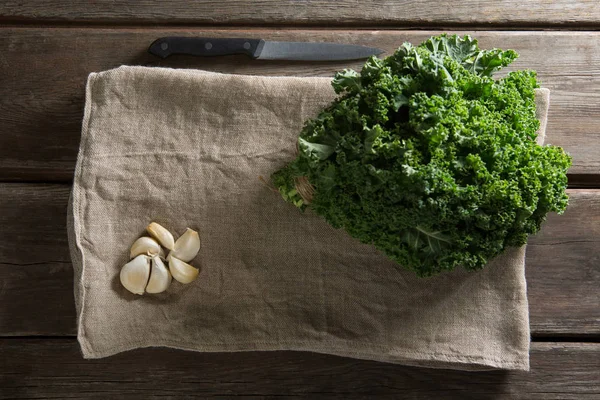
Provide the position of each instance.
(260, 49)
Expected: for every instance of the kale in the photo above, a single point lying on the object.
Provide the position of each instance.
(429, 158)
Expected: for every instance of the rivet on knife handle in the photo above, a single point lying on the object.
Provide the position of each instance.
(200, 46)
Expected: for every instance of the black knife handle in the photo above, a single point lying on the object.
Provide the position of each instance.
(201, 46)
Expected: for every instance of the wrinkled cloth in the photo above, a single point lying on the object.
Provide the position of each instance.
(187, 148)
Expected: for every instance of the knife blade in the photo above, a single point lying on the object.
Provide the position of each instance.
(260, 49)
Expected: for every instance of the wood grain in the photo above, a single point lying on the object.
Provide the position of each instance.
(309, 12)
(42, 80)
(563, 268)
(43, 95)
(47, 368)
(37, 277)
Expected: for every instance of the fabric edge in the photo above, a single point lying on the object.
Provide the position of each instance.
(75, 206)
(542, 103)
(184, 71)
(542, 96)
(459, 363)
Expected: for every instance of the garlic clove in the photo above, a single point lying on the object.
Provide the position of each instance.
(134, 275)
(182, 271)
(160, 277)
(187, 246)
(160, 233)
(146, 245)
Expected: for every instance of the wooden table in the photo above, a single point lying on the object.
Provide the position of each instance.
(48, 48)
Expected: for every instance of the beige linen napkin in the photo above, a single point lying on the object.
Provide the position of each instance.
(187, 148)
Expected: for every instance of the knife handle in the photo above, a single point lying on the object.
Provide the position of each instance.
(201, 46)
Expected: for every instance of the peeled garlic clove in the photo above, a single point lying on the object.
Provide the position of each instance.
(135, 274)
(182, 271)
(146, 245)
(161, 234)
(186, 247)
(160, 277)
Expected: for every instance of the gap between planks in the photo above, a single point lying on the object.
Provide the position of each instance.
(535, 338)
(41, 112)
(332, 26)
(44, 368)
(37, 287)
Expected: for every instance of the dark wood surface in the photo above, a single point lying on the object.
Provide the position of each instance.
(53, 368)
(310, 12)
(41, 109)
(34, 263)
(49, 47)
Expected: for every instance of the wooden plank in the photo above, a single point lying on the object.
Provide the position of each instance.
(43, 74)
(46, 368)
(310, 12)
(37, 277)
(563, 271)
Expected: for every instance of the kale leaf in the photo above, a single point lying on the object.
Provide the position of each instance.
(429, 158)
